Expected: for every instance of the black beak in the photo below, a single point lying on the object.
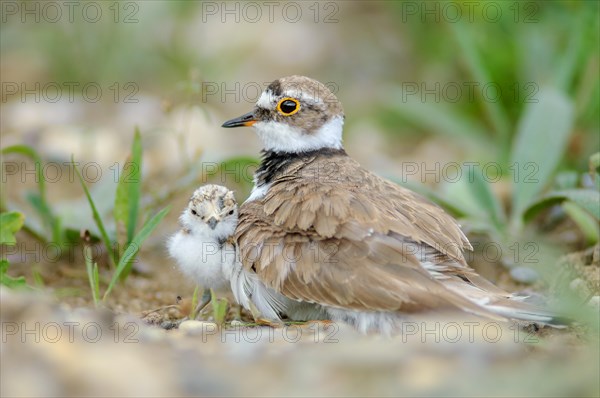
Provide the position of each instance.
(244, 120)
(212, 222)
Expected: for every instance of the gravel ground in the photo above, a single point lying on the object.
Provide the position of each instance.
(51, 349)
(58, 344)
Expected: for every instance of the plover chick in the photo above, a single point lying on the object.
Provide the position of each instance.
(204, 245)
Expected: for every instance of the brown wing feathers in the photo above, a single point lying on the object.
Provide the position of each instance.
(343, 241)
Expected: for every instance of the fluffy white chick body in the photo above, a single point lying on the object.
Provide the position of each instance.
(203, 246)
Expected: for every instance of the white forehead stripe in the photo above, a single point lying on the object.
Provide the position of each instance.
(268, 100)
(304, 95)
(265, 100)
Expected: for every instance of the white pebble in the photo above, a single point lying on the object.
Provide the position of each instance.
(594, 302)
(193, 327)
(524, 274)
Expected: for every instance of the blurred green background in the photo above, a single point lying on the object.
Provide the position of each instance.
(507, 91)
(171, 51)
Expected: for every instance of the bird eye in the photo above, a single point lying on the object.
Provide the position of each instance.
(231, 212)
(288, 106)
(194, 212)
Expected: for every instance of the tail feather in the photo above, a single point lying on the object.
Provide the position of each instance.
(504, 304)
(522, 311)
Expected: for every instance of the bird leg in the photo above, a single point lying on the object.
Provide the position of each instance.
(260, 320)
(206, 297)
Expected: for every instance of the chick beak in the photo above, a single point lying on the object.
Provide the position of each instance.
(245, 120)
(212, 222)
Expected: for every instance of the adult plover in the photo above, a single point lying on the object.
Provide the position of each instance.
(203, 247)
(321, 237)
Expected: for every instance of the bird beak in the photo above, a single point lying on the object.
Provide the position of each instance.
(212, 222)
(244, 120)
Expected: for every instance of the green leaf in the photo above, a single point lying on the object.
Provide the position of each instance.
(587, 199)
(39, 201)
(438, 118)
(33, 155)
(135, 245)
(595, 163)
(585, 222)
(97, 218)
(566, 180)
(567, 65)
(486, 199)
(8, 280)
(477, 69)
(473, 195)
(541, 140)
(41, 206)
(10, 223)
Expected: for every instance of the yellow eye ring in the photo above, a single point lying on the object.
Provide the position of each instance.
(286, 108)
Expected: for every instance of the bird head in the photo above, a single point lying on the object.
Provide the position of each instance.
(211, 209)
(295, 114)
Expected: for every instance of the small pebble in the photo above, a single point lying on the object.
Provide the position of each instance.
(579, 286)
(192, 327)
(594, 302)
(168, 325)
(524, 275)
(576, 284)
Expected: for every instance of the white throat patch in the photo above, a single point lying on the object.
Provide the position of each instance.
(281, 137)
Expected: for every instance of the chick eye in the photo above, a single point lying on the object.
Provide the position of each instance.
(288, 106)
(231, 212)
(194, 212)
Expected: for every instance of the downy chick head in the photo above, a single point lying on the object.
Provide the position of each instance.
(212, 210)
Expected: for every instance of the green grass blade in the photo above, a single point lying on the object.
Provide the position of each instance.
(541, 140)
(133, 248)
(92, 271)
(121, 210)
(97, 218)
(134, 183)
(96, 287)
(194, 302)
(38, 280)
(127, 197)
(219, 307)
